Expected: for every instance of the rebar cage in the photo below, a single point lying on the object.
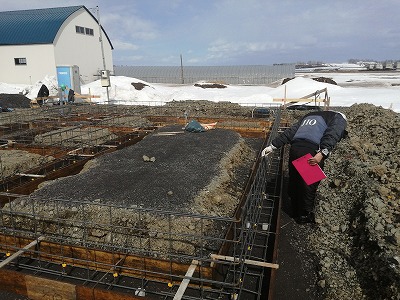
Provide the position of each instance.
(122, 248)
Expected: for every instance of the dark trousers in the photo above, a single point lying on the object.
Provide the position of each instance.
(302, 195)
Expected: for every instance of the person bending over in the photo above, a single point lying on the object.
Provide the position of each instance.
(316, 133)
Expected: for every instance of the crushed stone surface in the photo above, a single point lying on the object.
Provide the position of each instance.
(179, 165)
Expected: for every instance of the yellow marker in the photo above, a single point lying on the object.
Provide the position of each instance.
(8, 254)
(63, 265)
(248, 248)
(170, 284)
(115, 274)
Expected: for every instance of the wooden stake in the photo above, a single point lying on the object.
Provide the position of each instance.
(185, 281)
(246, 261)
(31, 175)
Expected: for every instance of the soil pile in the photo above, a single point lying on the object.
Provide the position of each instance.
(357, 237)
(18, 161)
(139, 85)
(14, 101)
(210, 85)
(319, 79)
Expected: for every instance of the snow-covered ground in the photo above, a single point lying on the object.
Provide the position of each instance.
(380, 89)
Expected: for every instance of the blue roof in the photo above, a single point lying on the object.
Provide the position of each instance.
(34, 26)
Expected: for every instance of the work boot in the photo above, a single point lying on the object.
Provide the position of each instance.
(308, 218)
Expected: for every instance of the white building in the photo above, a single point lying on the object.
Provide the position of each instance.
(34, 42)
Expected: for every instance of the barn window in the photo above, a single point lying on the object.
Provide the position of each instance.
(20, 61)
(89, 31)
(84, 30)
(80, 29)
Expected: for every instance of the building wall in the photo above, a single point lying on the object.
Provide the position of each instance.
(40, 62)
(83, 50)
(69, 48)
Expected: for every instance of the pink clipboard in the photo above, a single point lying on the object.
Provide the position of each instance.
(310, 174)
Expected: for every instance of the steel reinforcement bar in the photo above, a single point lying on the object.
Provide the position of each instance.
(85, 249)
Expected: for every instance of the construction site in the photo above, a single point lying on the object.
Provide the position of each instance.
(120, 202)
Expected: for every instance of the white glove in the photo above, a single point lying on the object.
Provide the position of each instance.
(268, 150)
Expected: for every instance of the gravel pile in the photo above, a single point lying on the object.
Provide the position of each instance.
(183, 164)
(357, 236)
(127, 121)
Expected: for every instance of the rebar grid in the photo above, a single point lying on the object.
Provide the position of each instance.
(85, 129)
(171, 244)
(59, 140)
(250, 240)
(257, 229)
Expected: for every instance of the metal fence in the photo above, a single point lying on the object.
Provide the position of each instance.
(251, 75)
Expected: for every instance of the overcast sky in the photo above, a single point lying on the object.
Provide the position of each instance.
(242, 32)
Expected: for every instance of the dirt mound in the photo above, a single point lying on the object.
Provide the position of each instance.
(325, 79)
(319, 79)
(14, 101)
(200, 108)
(210, 85)
(139, 85)
(357, 239)
(286, 80)
(18, 161)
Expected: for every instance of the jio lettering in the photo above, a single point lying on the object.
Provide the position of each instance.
(310, 122)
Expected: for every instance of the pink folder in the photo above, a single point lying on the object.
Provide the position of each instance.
(310, 174)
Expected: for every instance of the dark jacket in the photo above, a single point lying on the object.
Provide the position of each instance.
(43, 91)
(71, 96)
(322, 128)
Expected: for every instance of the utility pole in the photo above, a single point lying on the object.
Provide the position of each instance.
(102, 47)
(183, 81)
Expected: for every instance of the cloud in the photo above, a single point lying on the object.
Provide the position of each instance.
(170, 59)
(235, 48)
(194, 60)
(124, 59)
(129, 27)
(121, 45)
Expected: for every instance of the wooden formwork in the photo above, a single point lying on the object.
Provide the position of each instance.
(68, 256)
